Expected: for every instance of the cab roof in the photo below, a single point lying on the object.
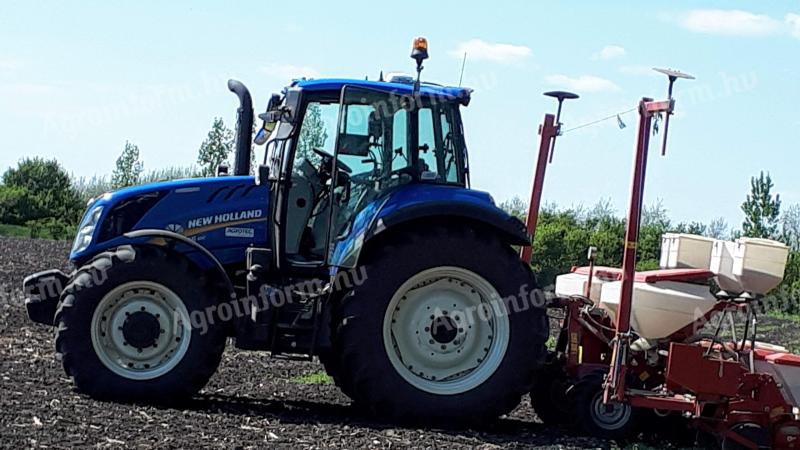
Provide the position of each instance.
(460, 94)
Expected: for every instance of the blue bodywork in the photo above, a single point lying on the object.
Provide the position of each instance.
(228, 214)
(224, 214)
(426, 89)
(425, 202)
(218, 213)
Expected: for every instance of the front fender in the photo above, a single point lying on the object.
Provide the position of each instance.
(426, 203)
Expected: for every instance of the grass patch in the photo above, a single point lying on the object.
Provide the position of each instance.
(14, 230)
(784, 316)
(313, 378)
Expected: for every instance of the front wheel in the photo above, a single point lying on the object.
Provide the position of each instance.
(125, 328)
(445, 328)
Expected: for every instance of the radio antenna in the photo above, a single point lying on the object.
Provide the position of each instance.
(463, 63)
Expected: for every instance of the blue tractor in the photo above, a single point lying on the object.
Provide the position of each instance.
(358, 241)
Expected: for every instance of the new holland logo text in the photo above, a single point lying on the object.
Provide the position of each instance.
(224, 218)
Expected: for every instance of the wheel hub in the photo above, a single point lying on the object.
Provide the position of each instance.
(141, 329)
(444, 329)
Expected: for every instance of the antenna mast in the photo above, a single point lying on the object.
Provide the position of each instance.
(463, 63)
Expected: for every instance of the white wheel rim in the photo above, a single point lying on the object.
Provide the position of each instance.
(152, 318)
(446, 330)
(610, 416)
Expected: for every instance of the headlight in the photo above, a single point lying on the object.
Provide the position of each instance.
(86, 230)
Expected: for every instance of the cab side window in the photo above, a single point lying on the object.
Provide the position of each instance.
(437, 152)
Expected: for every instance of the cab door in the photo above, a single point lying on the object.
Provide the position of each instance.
(373, 155)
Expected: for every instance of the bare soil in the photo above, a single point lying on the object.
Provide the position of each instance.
(252, 401)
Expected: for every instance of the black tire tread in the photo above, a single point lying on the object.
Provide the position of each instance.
(68, 341)
(352, 370)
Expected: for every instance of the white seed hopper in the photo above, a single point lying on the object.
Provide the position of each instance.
(690, 251)
(664, 301)
(574, 283)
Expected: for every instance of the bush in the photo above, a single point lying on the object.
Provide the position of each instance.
(38, 189)
(51, 228)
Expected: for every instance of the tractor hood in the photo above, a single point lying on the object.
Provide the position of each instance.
(211, 210)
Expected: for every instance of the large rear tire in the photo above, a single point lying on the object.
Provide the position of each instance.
(445, 328)
(125, 329)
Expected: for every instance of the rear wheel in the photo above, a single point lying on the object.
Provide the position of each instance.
(428, 335)
(125, 329)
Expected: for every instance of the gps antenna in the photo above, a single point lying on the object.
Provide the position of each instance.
(560, 96)
(673, 75)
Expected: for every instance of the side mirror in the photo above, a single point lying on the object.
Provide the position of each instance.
(274, 102)
(263, 175)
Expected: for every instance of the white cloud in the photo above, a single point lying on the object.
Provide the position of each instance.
(730, 22)
(477, 49)
(793, 22)
(289, 71)
(583, 83)
(609, 52)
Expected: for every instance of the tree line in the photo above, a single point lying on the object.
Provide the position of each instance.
(41, 196)
(563, 235)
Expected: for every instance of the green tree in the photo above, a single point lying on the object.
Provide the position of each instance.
(129, 167)
(38, 189)
(761, 209)
(215, 149)
(717, 229)
(790, 227)
(516, 207)
(312, 133)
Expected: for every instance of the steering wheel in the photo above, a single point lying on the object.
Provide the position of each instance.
(327, 159)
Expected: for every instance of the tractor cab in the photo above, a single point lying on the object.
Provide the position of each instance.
(337, 149)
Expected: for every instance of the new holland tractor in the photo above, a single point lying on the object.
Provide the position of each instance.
(358, 241)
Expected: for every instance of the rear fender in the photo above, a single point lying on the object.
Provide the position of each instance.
(424, 204)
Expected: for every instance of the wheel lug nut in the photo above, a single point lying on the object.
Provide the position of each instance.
(444, 347)
(431, 341)
(427, 328)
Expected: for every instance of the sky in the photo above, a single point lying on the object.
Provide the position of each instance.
(78, 79)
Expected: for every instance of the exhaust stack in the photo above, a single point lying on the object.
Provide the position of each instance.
(244, 127)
